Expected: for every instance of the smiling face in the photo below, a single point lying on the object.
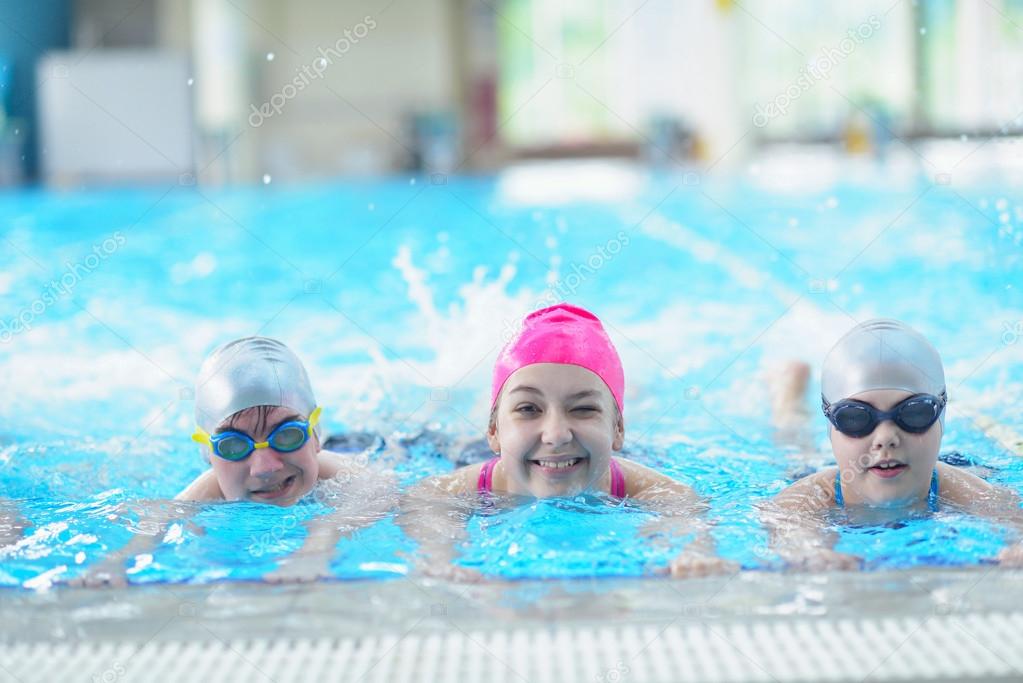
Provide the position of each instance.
(555, 428)
(267, 475)
(890, 466)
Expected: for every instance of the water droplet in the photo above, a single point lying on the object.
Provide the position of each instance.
(266, 178)
(269, 56)
(191, 81)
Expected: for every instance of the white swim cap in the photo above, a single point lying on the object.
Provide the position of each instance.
(881, 354)
(248, 372)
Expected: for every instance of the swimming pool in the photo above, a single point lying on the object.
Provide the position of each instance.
(397, 294)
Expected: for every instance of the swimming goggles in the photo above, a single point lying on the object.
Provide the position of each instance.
(854, 418)
(234, 446)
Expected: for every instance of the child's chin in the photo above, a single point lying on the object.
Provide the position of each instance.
(547, 490)
(888, 499)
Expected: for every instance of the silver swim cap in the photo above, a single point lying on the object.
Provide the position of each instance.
(247, 372)
(882, 354)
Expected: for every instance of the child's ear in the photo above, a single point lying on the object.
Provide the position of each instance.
(492, 440)
(619, 438)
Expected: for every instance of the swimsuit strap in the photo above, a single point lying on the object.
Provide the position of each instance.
(932, 494)
(617, 480)
(486, 479)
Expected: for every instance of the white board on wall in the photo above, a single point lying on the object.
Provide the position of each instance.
(114, 116)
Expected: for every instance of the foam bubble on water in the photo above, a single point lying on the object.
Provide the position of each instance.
(142, 560)
(199, 267)
(204, 264)
(44, 581)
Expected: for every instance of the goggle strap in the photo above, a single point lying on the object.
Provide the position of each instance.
(314, 418)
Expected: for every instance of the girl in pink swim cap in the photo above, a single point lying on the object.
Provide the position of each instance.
(556, 424)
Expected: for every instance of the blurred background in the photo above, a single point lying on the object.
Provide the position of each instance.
(222, 91)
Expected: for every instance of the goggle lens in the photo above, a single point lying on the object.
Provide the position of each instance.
(234, 448)
(918, 415)
(288, 439)
(854, 420)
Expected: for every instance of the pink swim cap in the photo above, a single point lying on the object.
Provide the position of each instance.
(563, 334)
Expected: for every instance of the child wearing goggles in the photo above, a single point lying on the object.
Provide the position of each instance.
(555, 428)
(884, 395)
(258, 428)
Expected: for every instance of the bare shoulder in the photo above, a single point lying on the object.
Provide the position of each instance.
(333, 464)
(963, 488)
(813, 492)
(203, 488)
(646, 483)
(458, 483)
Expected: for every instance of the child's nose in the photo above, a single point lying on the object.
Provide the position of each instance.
(556, 430)
(265, 461)
(885, 435)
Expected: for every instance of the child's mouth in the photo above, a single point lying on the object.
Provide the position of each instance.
(558, 466)
(277, 490)
(888, 469)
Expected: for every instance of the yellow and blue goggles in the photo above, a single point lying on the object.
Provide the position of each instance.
(234, 446)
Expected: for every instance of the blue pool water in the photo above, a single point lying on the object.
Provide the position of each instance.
(398, 293)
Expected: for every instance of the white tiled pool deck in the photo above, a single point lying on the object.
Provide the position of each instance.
(926, 625)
